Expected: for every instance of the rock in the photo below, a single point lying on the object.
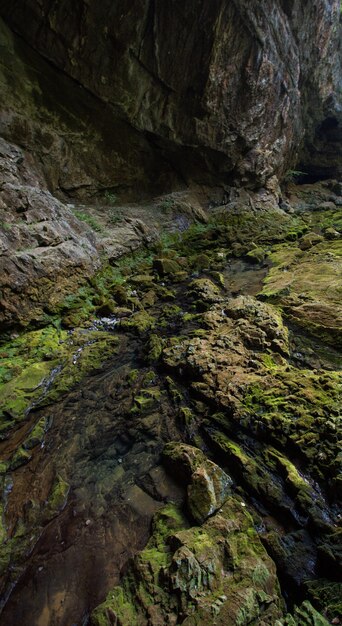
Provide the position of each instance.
(202, 574)
(201, 261)
(120, 294)
(309, 240)
(256, 255)
(315, 272)
(208, 490)
(304, 615)
(331, 233)
(199, 119)
(205, 290)
(154, 348)
(326, 595)
(208, 485)
(106, 309)
(295, 555)
(166, 266)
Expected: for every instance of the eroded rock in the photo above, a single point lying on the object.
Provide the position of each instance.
(208, 485)
(217, 573)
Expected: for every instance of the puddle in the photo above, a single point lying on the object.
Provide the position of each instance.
(244, 278)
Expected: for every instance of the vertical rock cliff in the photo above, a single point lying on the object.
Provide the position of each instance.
(228, 91)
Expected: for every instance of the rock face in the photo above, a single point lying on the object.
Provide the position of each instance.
(219, 90)
(152, 97)
(47, 250)
(43, 246)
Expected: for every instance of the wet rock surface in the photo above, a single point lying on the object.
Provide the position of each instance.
(170, 291)
(251, 480)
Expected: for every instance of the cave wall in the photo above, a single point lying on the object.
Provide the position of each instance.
(76, 145)
(221, 91)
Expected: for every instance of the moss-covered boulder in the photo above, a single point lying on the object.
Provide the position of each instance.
(166, 266)
(217, 573)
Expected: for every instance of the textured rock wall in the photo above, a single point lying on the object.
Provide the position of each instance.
(229, 88)
(76, 143)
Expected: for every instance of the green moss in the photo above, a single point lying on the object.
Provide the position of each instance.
(253, 474)
(88, 219)
(268, 361)
(200, 261)
(20, 457)
(260, 575)
(29, 361)
(58, 495)
(133, 376)
(154, 348)
(143, 403)
(22, 391)
(36, 435)
(304, 615)
(116, 603)
(166, 266)
(256, 255)
(139, 322)
(326, 596)
(298, 410)
(308, 285)
(126, 603)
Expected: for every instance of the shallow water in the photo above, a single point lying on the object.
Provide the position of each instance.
(244, 278)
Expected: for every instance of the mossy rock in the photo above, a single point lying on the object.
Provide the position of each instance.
(39, 366)
(208, 485)
(19, 458)
(304, 615)
(146, 400)
(166, 266)
(120, 294)
(200, 261)
(326, 596)
(139, 322)
(309, 240)
(256, 255)
(154, 348)
(184, 572)
(58, 497)
(308, 285)
(106, 309)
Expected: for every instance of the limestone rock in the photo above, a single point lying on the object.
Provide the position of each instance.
(207, 491)
(208, 485)
(203, 574)
(221, 89)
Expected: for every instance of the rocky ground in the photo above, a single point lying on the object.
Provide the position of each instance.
(194, 385)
